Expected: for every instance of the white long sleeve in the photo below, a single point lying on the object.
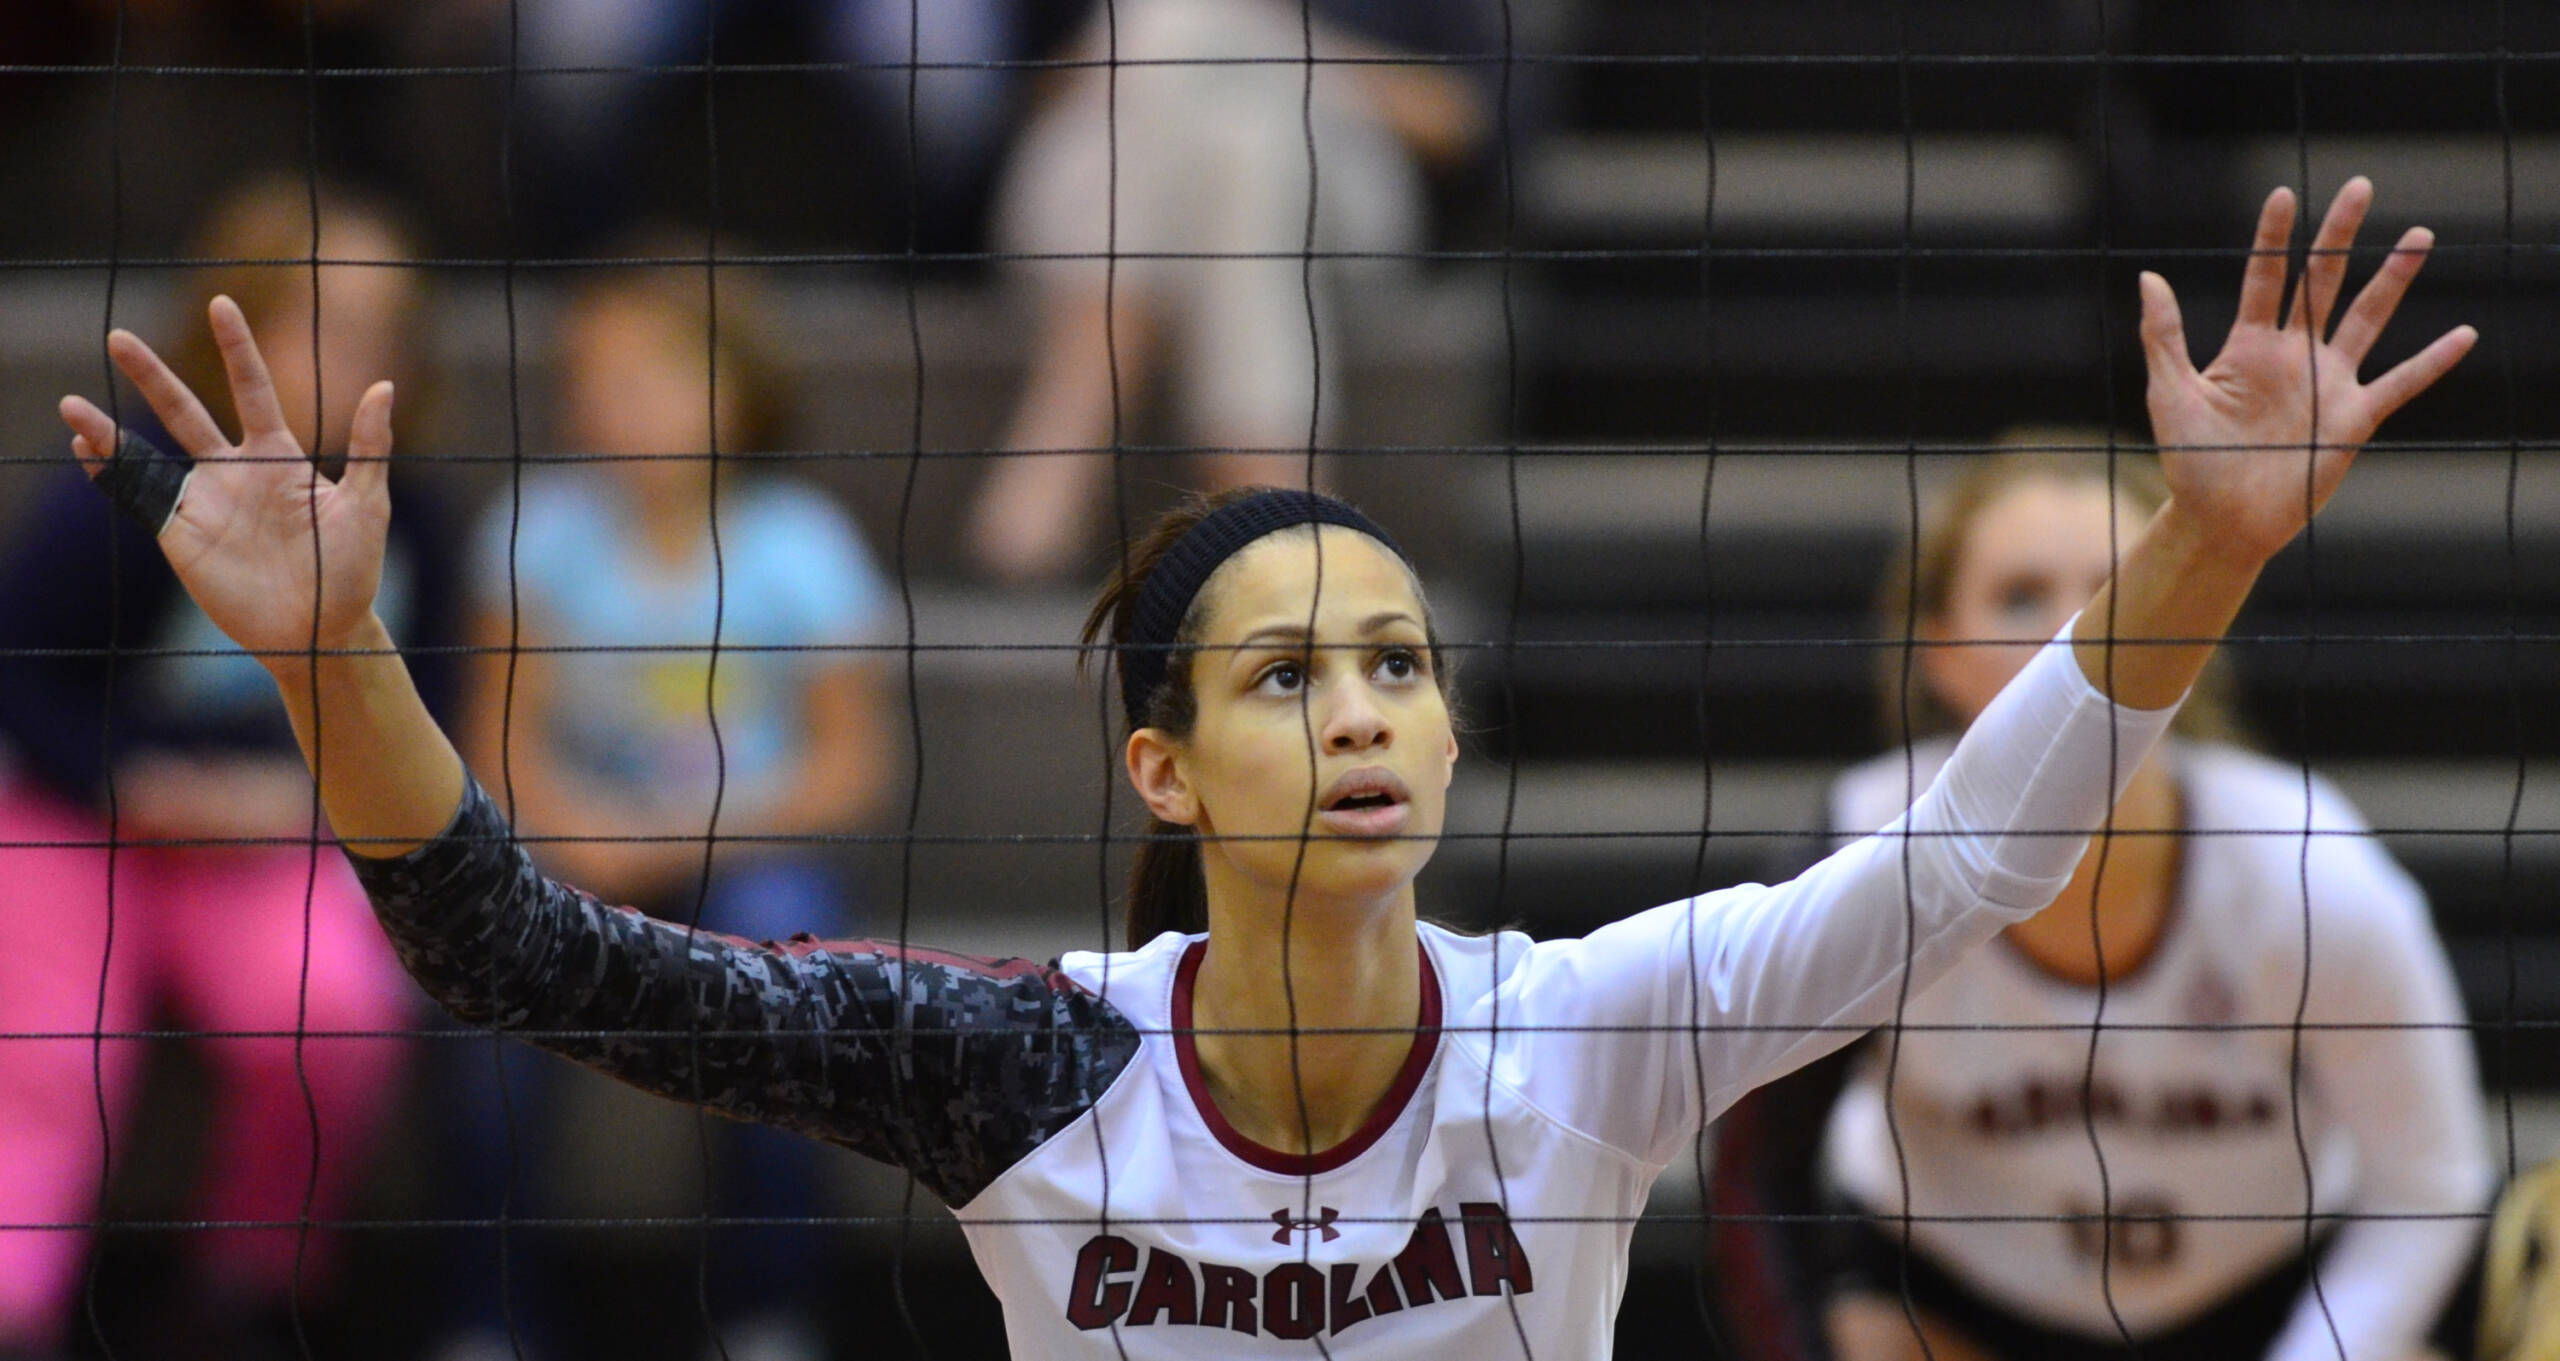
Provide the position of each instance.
(1712, 996)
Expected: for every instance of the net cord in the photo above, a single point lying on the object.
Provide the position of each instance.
(2514, 651)
(511, 1185)
(907, 608)
(1315, 606)
(711, 662)
(2312, 336)
(1552, 451)
(106, 728)
(1680, 834)
(1739, 1028)
(688, 1220)
(2105, 846)
(1711, 393)
(1511, 399)
(319, 745)
(2497, 638)
(1908, 344)
(2483, 57)
(1122, 543)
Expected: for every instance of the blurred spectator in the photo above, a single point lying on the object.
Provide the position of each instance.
(620, 554)
(221, 913)
(2187, 933)
(1210, 153)
(586, 144)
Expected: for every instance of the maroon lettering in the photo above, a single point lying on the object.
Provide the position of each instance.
(1382, 1296)
(2149, 1228)
(1346, 1308)
(1429, 1263)
(2039, 1103)
(2045, 1104)
(1095, 1299)
(1165, 1287)
(1226, 1298)
(1494, 1258)
(1298, 1300)
(1293, 1301)
(2140, 1234)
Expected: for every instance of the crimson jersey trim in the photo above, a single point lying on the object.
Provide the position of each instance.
(1417, 1061)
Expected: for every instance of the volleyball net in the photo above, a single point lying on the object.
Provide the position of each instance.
(775, 380)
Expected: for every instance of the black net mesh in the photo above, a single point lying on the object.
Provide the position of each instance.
(778, 378)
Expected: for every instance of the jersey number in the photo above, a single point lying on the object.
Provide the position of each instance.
(2139, 1233)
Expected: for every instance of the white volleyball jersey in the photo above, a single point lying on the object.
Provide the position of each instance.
(1485, 1210)
(2194, 1097)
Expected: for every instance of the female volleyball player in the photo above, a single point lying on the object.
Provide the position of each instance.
(2222, 873)
(1320, 1119)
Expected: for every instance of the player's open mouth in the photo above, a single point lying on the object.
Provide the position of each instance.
(1369, 802)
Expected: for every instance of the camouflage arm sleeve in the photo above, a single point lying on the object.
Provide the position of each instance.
(949, 1066)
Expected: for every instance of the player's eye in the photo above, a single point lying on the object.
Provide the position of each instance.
(1401, 664)
(1285, 677)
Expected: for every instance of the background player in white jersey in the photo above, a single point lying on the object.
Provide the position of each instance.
(1317, 1118)
(2196, 917)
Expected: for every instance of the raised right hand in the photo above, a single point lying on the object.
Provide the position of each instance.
(2256, 442)
(280, 558)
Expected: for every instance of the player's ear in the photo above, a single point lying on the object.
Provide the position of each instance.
(1155, 770)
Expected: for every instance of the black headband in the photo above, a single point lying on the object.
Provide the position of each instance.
(1155, 619)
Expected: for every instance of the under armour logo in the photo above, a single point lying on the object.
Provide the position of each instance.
(1289, 1224)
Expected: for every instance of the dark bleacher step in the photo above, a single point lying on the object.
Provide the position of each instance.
(1833, 66)
(2392, 630)
(2246, 63)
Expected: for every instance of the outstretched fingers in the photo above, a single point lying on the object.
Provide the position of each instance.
(2164, 332)
(2371, 311)
(171, 400)
(2324, 272)
(253, 392)
(368, 471)
(2418, 372)
(2262, 283)
(93, 435)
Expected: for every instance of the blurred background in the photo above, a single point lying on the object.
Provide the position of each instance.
(1644, 324)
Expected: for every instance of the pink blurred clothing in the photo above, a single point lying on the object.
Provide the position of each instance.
(211, 939)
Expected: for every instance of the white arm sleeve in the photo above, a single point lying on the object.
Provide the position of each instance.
(1638, 1033)
(2409, 1097)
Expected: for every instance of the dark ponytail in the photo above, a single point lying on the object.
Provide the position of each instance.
(1166, 889)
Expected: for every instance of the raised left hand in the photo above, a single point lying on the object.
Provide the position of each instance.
(280, 558)
(2255, 443)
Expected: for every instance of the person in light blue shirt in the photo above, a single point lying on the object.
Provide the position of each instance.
(601, 708)
(592, 566)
